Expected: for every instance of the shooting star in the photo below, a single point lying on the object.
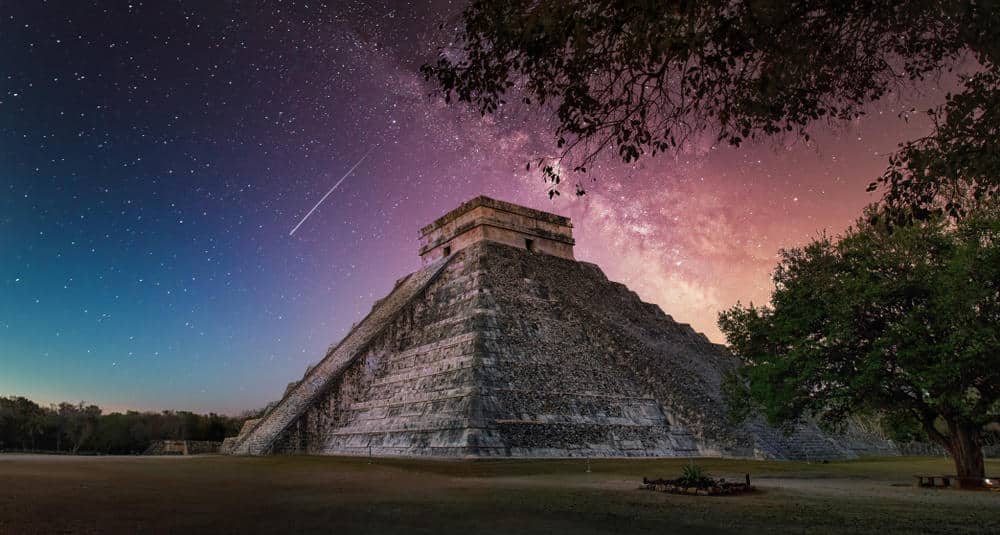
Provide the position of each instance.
(349, 171)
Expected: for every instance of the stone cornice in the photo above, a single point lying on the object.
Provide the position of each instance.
(490, 222)
(489, 202)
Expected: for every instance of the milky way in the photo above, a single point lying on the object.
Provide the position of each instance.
(153, 155)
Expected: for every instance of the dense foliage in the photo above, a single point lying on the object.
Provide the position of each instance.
(641, 77)
(957, 167)
(900, 320)
(27, 426)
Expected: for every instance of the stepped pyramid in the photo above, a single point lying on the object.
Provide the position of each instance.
(504, 345)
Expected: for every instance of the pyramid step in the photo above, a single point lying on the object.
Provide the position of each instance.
(259, 439)
(500, 351)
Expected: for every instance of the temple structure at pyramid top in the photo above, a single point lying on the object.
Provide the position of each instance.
(486, 219)
(504, 345)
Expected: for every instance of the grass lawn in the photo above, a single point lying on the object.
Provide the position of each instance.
(214, 494)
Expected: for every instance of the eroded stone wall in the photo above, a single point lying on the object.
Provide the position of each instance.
(484, 218)
(511, 353)
(463, 372)
(412, 389)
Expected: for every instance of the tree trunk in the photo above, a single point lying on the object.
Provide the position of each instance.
(965, 447)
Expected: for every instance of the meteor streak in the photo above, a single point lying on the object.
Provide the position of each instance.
(349, 171)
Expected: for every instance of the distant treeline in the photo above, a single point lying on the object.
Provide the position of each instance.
(81, 428)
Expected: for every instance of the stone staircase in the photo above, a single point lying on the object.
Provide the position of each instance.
(258, 438)
(805, 443)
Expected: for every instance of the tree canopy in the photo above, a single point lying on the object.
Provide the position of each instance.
(957, 167)
(641, 77)
(901, 320)
(27, 426)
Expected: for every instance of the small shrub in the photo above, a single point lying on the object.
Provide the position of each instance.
(694, 476)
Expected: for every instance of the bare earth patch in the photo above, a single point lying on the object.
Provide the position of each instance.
(212, 494)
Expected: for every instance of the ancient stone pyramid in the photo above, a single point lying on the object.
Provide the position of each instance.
(504, 345)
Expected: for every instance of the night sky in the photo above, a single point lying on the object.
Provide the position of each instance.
(154, 157)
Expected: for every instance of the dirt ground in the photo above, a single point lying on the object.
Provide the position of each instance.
(214, 494)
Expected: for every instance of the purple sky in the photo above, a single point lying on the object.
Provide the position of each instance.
(153, 160)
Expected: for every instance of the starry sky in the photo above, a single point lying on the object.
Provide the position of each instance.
(155, 155)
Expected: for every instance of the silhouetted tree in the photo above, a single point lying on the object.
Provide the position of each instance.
(26, 425)
(642, 76)
(82, 423)
(22, 421)
(957, 167)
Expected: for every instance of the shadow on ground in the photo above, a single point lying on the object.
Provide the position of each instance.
(213, 494)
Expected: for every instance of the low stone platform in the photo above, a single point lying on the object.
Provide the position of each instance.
(716, 488)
